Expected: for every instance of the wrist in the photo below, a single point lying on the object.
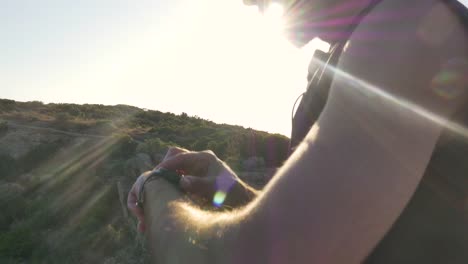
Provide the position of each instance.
(158, 195)
(172, 177)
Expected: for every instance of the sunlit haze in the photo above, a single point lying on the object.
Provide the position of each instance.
(219, 60)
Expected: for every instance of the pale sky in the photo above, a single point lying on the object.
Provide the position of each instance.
(216, 59)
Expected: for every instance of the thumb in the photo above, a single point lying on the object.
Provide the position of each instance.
(197, 185)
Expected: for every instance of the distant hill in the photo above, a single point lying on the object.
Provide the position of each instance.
(194, 133)
(65, 170)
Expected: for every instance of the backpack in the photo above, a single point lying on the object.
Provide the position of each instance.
(433, 228)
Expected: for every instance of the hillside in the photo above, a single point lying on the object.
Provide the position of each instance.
(65, 171)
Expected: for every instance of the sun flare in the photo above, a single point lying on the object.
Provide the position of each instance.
(274, 17)
(219, 60)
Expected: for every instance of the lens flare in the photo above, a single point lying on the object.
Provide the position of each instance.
(275, 10)
(363, 86)
(452, 80)
(218, 198)
(274, 17)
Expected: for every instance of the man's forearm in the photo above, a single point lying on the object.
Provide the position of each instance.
(176, 235)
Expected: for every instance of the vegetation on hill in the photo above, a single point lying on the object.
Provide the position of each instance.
(65, 171)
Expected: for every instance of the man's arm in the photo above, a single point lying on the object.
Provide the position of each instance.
(347, 182)
(179, 232)
(330, 203)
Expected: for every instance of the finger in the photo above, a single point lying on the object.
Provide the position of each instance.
(194, 163)
(132, 206)
(190, 162)
(174, 151)
(203, 187)
(136, 189)
(131, 199)
(136, 210)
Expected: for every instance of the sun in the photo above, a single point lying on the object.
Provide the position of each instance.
(275, 10)
(273, 17)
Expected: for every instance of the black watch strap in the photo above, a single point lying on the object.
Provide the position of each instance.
(171, 176)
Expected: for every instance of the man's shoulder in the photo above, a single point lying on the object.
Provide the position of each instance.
(401, 46)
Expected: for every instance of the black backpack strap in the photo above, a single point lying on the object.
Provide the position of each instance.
(314, 99)
(320, 80)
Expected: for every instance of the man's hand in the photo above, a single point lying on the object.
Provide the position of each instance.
(135, 190)
(208, 181)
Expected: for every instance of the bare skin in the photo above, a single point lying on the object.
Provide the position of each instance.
(351, 177)
(205, 175)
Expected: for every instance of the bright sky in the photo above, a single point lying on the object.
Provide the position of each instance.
(216, 59)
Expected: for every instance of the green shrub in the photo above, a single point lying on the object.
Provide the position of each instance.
(105, 126)
(124, 146)
(3, 127)
(62, 117)
(234, 163)
(39, 154)
(12, 204)
(18, 243)
(7, 105)
(87, 226)
(33, 105)
(153, 146)
(8, 167)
